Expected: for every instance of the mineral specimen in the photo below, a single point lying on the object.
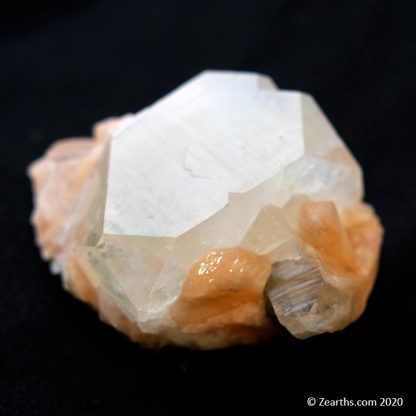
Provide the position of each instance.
(201, 219)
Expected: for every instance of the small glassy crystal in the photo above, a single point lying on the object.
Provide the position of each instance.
(294, 287)
(181, 223)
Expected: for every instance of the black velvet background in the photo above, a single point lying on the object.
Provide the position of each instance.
(64, 66)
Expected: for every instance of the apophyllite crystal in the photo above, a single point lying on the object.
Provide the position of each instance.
(201, 219)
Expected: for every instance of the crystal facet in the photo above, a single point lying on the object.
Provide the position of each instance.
(180, 223)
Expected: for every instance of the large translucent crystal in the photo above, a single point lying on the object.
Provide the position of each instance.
(180, 223)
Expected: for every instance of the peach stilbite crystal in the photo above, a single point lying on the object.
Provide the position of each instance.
(225, 289)
(201, 219)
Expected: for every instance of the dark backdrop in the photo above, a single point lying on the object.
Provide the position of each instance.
(64, 66)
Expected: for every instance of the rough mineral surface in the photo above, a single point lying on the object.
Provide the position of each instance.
(201, 219)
